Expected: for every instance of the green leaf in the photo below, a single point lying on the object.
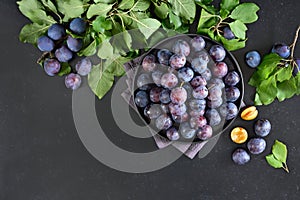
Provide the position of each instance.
(89, 50)
(273, 161)
(268, 65)
(105, 50)
(101, 77)
(224, 13)
(184, 8)
(255, 79)
(267, 90)
(141, 5)
(99, 9)
(70, 8)
(245, 12)
(126, 4)
(206, 4)
(239, 29)
(31, 32)
(65, 69)
(286, 89)
(297, 80)
(233, 44)
(100, 24)
(105, 1)
(49, 4)
(155, 38)
(127, 39)
(34, 10)
(229, 4)
(161, 10)
(279, 151)
(175, 20)
(284, 73)
(257, 100)
(100, 80)
(148, 26)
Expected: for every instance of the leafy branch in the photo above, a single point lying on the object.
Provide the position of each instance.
(274, 77)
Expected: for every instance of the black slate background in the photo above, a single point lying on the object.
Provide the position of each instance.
(42, 157)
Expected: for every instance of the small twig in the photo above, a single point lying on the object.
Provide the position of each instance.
(295, 42)
(43, 56)
(285, 167)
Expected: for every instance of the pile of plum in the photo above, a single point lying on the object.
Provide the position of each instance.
(61, 48)
(187, 91)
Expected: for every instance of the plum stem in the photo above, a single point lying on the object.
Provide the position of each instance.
(285, 167)
(295, 42)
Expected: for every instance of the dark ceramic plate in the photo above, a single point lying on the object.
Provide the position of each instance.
(229, 60)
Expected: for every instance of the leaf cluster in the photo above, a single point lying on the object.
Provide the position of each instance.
(278, 157)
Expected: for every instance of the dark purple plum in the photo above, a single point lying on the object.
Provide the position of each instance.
(215, 103)
(169, 80)
(155, 94)
(256, 145)
(240, 156)
(165, 108)
(198, 81)
(78, 25)
(163, 122)
(72, 81)
(229, 110)
(216, 82)
(232, 78)
(217, 52)
(206, 74)
(74, 44)
(296, 68)
(262, 127)
(189, 90)
(213, 117)
(180, 118)
(198, 43)
(172, 134)
(152, 111)
(51, 66)
(197, 113)
(63, 54)
(178, 95)
(56, 32)
(176, 109)
(197, 122)
(44, 43)
(220, 69)
(253, 59)
(156, 76)
(282, 50)
(143, 81)
(141, 99)
(197, 104)
(200, 92)
(205, 132)
(181, 47)
(228, 34)
(163, 56)
(186, 131)
(214, 93)
(148, 63)
(177, 61)
(199, 65)
(232, 94)
(164, 96)
(83, 66)
(185, 74)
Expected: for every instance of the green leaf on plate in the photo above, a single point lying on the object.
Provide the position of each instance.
(184, 8)
(239, 29)
(99, 9)
(233, 44)
(245, 12)
(175, 20)
(273, 161)
(31, 32)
